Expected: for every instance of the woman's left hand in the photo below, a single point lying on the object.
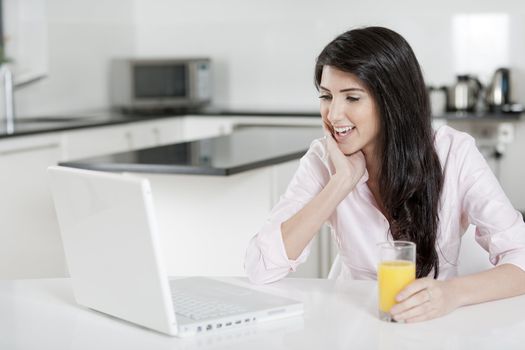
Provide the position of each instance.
(424, 299)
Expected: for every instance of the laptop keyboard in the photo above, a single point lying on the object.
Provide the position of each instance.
(199, 307)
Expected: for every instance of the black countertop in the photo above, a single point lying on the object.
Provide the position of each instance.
(48, 124)
(245, 149)
(481, 116)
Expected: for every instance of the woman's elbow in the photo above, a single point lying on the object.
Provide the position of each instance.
(257, 272)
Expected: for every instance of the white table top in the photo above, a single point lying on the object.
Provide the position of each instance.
(42, 314)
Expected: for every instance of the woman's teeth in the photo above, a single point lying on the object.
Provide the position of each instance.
(343, 131)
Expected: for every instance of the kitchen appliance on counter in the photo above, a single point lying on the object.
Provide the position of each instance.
(468, 98)
(143, 85)
(438, 100)
(498, 92)
(498, 95)
(463, 96)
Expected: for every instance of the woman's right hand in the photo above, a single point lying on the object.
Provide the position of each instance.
(348, 169)
(299, 230)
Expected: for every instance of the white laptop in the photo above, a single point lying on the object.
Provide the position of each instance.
(110, 239)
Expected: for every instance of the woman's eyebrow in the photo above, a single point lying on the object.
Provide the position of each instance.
(352, 89)
(343, 90)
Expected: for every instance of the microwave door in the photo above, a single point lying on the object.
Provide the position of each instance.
(162, 84)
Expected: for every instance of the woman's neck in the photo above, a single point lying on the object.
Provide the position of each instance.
(372, 166)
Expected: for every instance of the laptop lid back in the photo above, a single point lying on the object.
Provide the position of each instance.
(109, 235)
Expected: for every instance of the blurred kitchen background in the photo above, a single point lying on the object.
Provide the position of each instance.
(263, 53)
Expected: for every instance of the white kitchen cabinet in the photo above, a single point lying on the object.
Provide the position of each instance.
(169, 130)
(97, 141)
(91, 142)
(241, 121)
(142, 135)
(154, 133)
(30, 244)
(198, 127)
(511, 169)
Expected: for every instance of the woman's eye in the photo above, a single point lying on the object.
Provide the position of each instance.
(352, 98)
(325, 97)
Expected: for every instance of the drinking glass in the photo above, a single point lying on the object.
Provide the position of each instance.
(396, 270)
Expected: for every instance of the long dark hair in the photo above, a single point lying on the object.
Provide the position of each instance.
(411, 177)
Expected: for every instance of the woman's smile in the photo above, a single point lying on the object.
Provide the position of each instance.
(342, 134)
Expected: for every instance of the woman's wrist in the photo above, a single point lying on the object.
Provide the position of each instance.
(457, 292)
(344, 182)
(502, 281)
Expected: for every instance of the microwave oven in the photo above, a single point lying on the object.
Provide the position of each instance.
(151, 84)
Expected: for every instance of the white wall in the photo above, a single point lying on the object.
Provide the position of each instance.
(82, 37)
(264, 52)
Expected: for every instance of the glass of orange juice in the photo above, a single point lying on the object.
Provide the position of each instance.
(396, 270)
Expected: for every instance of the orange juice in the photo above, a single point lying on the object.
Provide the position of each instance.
(392, 277)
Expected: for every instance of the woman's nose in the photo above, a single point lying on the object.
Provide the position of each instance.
(336, 112)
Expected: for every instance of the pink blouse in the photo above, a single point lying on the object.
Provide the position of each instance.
(471, 195)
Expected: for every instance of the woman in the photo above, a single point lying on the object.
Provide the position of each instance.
(381, 173)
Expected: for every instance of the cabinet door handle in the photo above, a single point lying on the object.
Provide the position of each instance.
(156, 132)
(129, 138)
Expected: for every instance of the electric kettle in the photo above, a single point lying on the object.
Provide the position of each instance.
(498, 92)
(464, 94)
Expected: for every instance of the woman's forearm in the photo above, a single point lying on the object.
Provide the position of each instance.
(299, 230)
(503, 281)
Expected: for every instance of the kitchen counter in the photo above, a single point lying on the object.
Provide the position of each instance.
(245, 149)
(213, 193)
(485, 116)
(47, 124)
(42, 125)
